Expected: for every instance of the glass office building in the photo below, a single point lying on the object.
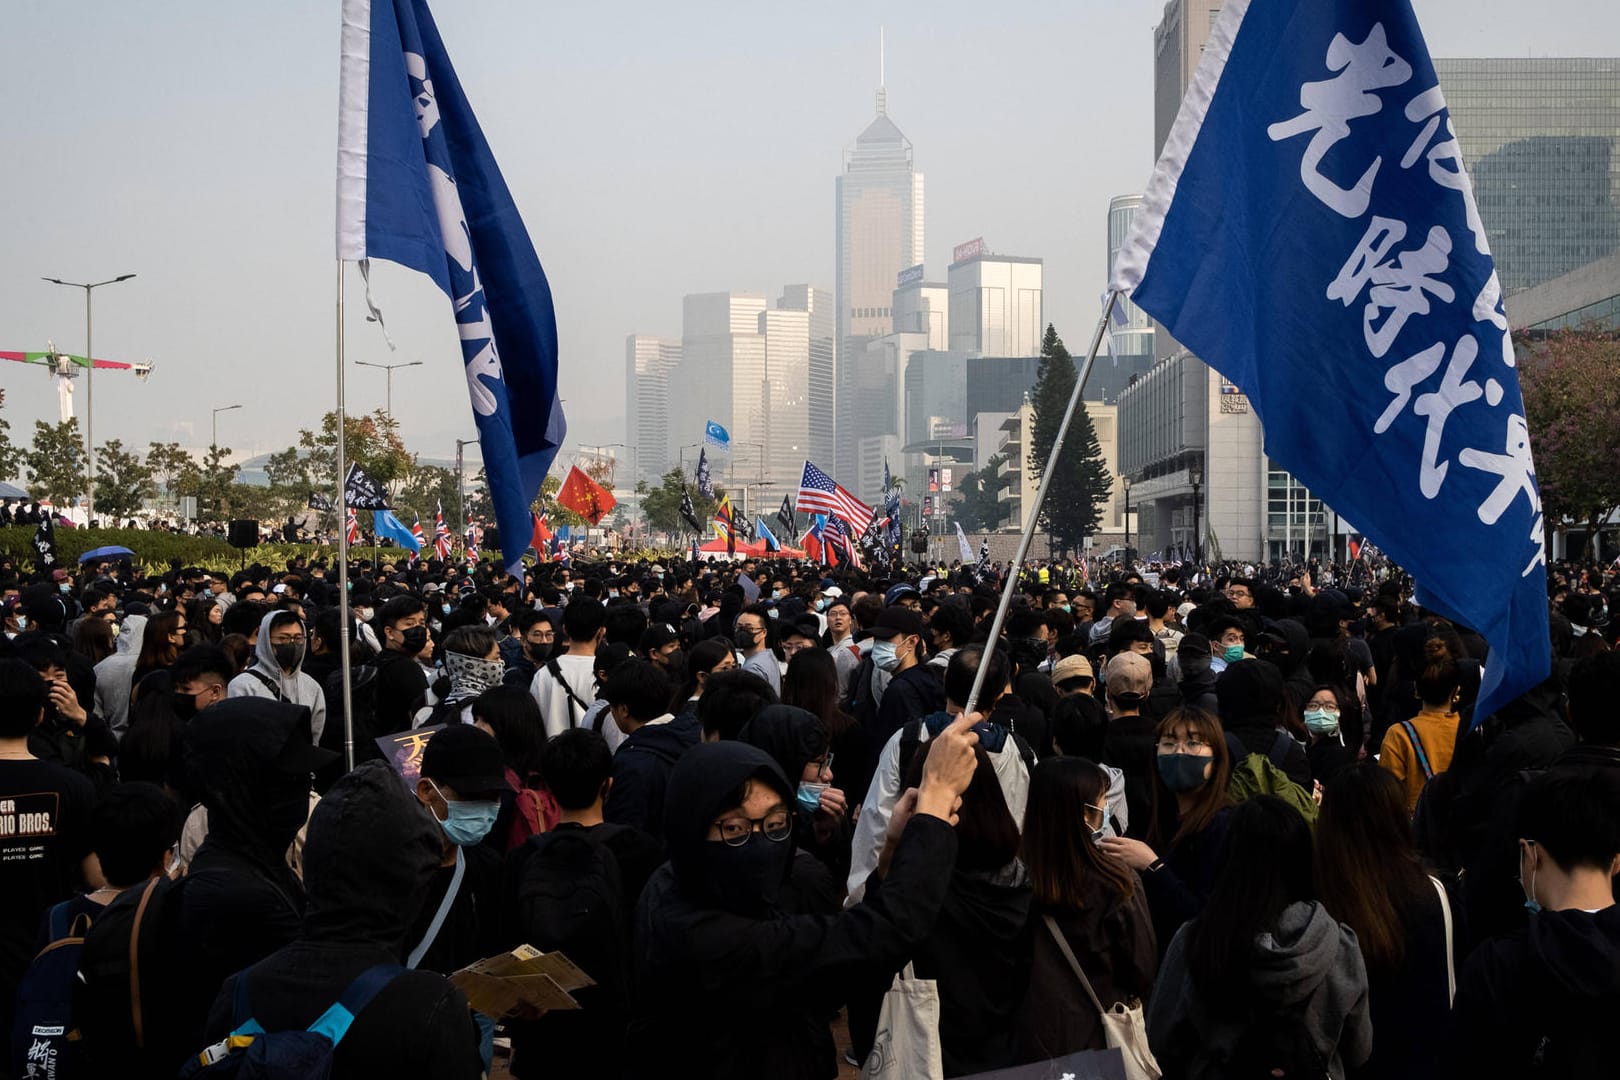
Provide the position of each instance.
(1541, 139)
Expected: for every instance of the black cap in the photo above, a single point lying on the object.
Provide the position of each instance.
(896, 622)
(467, 759)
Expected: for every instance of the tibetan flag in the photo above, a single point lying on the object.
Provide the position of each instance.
(725, 522)
(1310, 232)
(585, 496)
(418, 185)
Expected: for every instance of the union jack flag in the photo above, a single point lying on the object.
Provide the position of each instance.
(443, 543)
(416, 531)
(473, 535)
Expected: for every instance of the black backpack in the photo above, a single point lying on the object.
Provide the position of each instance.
(570, 897)
(45, 1041)
(363, 706)
(1277, 1047)
(127, 961)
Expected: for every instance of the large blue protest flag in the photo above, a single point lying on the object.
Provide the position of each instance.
(716, 436)
(418, 185)
(389, 527)
(1311, 233)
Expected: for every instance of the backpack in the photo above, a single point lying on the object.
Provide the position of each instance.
(252, 1053)
(1254, 774)
(570, 898)
(362, 706)
(911, 741)
(45, 1041)
(126, 959)
(1276, 1046)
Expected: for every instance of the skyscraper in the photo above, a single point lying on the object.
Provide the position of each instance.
(879, 234)
(648, 364)
(721, 377)
(820, 374)
(1130, 342)
(995, 303)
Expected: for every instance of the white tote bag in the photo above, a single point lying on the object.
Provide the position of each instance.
(1124, 1026)
(907, 1042)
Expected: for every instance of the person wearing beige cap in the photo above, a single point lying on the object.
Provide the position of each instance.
(1073, 675)
(1130, 743)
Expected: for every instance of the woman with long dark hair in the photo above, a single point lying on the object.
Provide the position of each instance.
(1328, 714)
(164, 637)
(204, 617)
(1191, 812)
(1264, 982)
(1415, 750)
(1370, 879)
(1089, 897)
(511, 714)
(93, 638)
(708, 657)
(812, 683)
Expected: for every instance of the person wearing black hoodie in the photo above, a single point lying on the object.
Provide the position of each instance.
(370, 853)
(638, 694)
(1251, 697)
(798, 744)
(723, 980)
(1541, 1001)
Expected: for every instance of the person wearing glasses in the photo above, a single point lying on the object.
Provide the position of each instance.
(277, 670)
(725, 980)
(1191, 813)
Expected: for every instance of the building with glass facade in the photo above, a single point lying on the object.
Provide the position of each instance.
(648, 364)
(1541, 139)
(1130, 340)
(995, 304)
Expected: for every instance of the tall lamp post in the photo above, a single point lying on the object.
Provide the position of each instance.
(390, 369)
(89, 388)
(214, 439)
(1127, 482)
(1195, 477)
(461, 478)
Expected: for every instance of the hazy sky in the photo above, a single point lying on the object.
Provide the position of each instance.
(655, 149)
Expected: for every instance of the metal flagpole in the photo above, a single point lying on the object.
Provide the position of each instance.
(1017, 563)
(343, 549)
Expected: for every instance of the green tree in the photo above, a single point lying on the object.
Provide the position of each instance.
(214, 486)
(55, 462)
(10, 454)
(123, 481)
(423, 488)
(661, 505)
(1572, 408)
(1080, 481)
(371, 441)
(979, 509)
(171, 467)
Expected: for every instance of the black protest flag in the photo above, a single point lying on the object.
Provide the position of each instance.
(784, 514)
(689, 512)
(362, 492)
(44, 544)
(317, 501)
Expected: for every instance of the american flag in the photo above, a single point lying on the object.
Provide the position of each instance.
(442, 541)
(819, 494)
(352, 526)
(843, 541)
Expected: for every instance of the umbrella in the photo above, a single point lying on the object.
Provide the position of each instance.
(111, 552)
(11, 491)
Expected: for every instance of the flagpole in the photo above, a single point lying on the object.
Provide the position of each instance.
(343, 549)
(1050, 471)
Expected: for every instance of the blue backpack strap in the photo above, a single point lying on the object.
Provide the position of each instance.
(242, 1022)
(1417, 745)
(334, 1022)
(58, 923)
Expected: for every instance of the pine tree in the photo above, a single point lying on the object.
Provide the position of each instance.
(1080, 484)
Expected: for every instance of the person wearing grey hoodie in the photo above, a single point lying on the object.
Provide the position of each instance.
(277, 670)
(114, 674)
(1263, 982)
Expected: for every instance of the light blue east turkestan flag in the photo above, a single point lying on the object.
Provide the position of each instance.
(418, 185)
(389, 527)
(1311, 233)
(716, 436)
(765, 534)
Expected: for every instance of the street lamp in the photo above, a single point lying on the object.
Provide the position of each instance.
(89, 389)
(214, 441)
(1127, 482)
(390, 369)
(461, 477)
(1195, 477)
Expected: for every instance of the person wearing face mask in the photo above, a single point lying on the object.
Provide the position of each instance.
(151, 747)
(798, 744)
(277, 670)
(400, 680)
(710, 941)
(913, 691)
(755, 639)
(1186, 839)
(1089, 899)
(472, 664)
(1322, 715)
(1541, 1000)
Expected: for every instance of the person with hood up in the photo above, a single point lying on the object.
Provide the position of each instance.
(1252, 704)
(796, 741)
(1542, 1000)
(1263, 982)
(277, 670)
(115, 674)
(723, 979)
(371, 853)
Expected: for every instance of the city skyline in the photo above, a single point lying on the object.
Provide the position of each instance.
(663, 155)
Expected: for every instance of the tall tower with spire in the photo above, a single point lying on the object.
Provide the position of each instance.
(879, 234)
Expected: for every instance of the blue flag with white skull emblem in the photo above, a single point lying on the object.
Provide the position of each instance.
(418, 185)
(1310, 231)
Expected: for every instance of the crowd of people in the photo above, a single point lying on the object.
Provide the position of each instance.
(743, 798)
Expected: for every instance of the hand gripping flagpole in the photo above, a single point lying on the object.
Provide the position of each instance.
(1017, 564)
(343, 549)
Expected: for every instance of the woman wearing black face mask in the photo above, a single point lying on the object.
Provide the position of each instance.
(1191, 811)
(723, 979)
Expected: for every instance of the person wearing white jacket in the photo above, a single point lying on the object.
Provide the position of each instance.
(277, 670)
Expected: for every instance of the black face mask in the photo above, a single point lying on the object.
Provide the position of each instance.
(746, 880)
(289, 656)
(185, 707)
(675, 665)
(744, 639)
(414, 640)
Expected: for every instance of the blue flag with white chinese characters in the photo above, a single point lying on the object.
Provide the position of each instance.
(1311, 233)
(418, 185)
(716, 436)
(389, 527)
